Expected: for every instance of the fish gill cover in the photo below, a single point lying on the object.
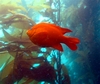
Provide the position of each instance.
(22, 62)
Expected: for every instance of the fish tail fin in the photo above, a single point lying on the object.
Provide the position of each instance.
(71, 42)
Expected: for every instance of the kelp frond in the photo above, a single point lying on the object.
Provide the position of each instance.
(13, 7)
(18, 20)
(39, 5)
(5, 1)
(69, 12)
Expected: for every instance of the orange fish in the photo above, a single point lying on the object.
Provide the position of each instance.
(51, 35)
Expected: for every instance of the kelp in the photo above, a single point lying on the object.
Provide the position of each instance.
(69, 14)
(23, 67)
(69, 11)
(39, 7)
(4, 56)
(39, 2)
(18, 20)
(8, 36)
(13, 47)
(8, 68)
(8, 1)
(12, 7)
(44, 8)
(5, 2)
(66, 78)
(17, 42)
(22, 59)
(28, 81)
(21, 38)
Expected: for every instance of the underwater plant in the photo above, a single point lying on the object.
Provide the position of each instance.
(10, 6)
(17, 20)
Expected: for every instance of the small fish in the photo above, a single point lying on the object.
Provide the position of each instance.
(51, 35)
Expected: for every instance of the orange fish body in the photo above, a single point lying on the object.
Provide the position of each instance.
(51, 35)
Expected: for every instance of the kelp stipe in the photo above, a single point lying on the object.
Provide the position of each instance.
(61, 79)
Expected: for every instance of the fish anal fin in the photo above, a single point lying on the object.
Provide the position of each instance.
(58, 47)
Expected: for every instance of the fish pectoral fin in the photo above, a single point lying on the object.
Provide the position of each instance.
(58, 47)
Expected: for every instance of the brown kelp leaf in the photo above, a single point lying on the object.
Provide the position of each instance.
(27, 81)
(1, 44)
(21, 25)
(18, 20)
(28, 63)
(70, 15)
(39, 2)
(34, 48)
(3, 39)
(38, 73)
(16, 33)
(12, 53)
(21, 41)
(4, 57)
(19, 16)
(13, 7)
(8, 68)
(66, 79)
(8, 36)
(34, 54)
(54, 60)
(36, 8)
(13, 39)
(26, 44)
(34, 82)
(24, 35)
(5, 2)
(48, 13)
(39, 5)
(45, 6)
(9, 1)
(5, 63)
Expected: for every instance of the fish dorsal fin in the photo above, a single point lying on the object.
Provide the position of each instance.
(58, 47)
(65, 30)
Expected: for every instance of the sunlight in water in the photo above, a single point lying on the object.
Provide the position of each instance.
(40, 54)
(36, 65)
(1, 33)
(43, 49)
(2, 67)
(7, 30)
